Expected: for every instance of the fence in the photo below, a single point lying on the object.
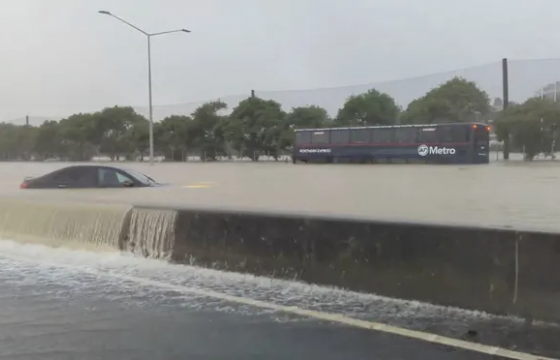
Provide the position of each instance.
(503, 81)
(526, 79)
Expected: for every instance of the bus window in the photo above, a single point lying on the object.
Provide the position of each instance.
(303, 137)
(382, 135)
(406, 135)
(360, 136)
(340, 136)
(428, 135)
(320, 137)
(453, 133)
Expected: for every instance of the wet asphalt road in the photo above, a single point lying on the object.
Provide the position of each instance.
(58, 304)
(36, 325)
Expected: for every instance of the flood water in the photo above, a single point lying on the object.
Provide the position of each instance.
(515, 194)
(61, 303)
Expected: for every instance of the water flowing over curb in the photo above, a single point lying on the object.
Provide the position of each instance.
(64, 224)
(500, 271)
(151, 233)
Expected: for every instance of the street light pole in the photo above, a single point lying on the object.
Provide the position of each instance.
(150, 104)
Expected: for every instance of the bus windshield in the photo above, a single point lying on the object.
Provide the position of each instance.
(481, 135)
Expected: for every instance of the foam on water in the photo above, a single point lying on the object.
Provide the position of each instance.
(64, 264)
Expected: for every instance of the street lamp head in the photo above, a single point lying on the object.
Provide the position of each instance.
(185, 30)
(104, 12)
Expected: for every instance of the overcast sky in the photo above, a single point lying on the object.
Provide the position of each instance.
(61, 56)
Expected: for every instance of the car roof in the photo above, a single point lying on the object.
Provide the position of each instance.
(93, 166)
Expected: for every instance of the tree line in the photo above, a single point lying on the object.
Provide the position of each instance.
(257, 126)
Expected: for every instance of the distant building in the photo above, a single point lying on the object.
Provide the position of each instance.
(550, 91)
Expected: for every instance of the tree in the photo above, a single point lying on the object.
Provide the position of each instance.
(255, 127)
(531, 126)
(173, 136)
(308, 117)
(370, 108)
(137, 137)
(48, 143)
(16, 142)
(77, 137)
(303, 117)
(457, 100)
(113, 130)
(207, 130)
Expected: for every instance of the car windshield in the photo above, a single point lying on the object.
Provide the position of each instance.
(144, 179)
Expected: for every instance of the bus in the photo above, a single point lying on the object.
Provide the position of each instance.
(449, 143)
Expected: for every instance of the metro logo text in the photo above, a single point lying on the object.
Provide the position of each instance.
(424, 150)
(441, 150)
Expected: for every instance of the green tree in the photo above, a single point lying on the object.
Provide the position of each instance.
(48, 143)
(26, 139)
(457, 100)
(531, 126)
(207, 130)
(303, 117)
(255, 127)
(172, 136)
(10, 148)
(111, 129)
(76, 135)
(370, 108)
(308, 117)
(137, 139)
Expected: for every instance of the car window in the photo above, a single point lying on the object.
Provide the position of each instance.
(111, 177)
(75, 176)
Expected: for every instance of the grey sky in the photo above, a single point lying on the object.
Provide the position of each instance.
(61, 56)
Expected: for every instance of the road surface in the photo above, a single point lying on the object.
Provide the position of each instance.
(62, 304)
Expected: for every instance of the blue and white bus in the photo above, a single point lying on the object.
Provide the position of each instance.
(454, 143)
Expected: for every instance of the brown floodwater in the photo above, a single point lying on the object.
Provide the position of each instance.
(515, 194)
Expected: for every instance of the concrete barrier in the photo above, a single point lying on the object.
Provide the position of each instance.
(501, 271)
(69, 224)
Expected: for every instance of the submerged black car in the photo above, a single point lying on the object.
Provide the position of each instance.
(89, 177)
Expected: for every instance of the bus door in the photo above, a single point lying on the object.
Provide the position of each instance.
(481, 143)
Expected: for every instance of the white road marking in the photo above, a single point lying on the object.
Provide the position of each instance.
(318, 315)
